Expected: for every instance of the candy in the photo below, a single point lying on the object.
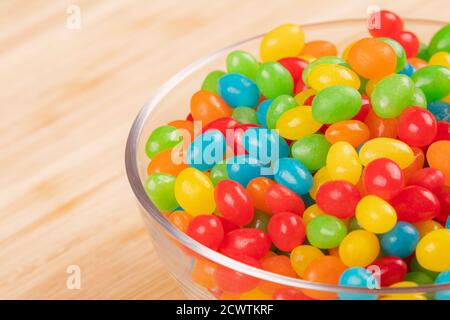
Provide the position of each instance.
(264, 144)
(375, 214)
(180, 219)
(441, 59)
(169, 161)
(311, 150)
(290, 294)
(262, 110)
(211, 81)
(206, 229)
(311, 212)
(260, 221)
(280, 199)
(430, 178)
(419, 277)
(278, 264)
(383, 23)
(338, 198)
(302, 256)
(425, 227)
(392, 149)
(392, 270)
(352, 131)
(404, 296)
(359, 248)
(434, 82)
(207, 107)
(297, 123)
(383, 177)
(274, 80)
(238, 90)
(440, 109)
(400, 241)
(218, 173)
(325, 231)
(286, 40)
(440, 41)
(234, 202)
(319, 48)
(356, 277)
(249, 242)
(380, 127)
(243, 168)
(326, 75)
(161, 139)
(206, 150)
(293, 174)
(160, 189)
(438, 155)
(408, 41)
(443, 277)
(321, 60)
(295, 66)
(343, 163)
(245, 115)
(399, 52)
(286, 230)
(279, 106)
(432, 250)
(243, 63)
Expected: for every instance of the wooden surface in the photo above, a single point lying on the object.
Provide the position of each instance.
(67, 101)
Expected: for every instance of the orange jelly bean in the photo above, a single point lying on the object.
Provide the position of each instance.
(352, 131)
(418, 162)
(203, 273)
(257, 189)
(207, 107)
(319, 49)
(438, 156)
(169, 161)
(380, 127)
(277, 264)
(187, 130)
(180, 219)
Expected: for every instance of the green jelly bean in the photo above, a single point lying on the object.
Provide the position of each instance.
(418, 277)
(274, 80)
(362, 87)
(162, 138)
(279, 106)
(322, 60)
(423, 52)
(415, 266)
(418, 98)
(160, 189)
(243, 63)
(312, 151)
(391, 95)
(325, 231)
(218, 173)
(440, 41)
(434, 81)
(399, 52)
(245, 115)
(336, 103)
(211, 81)
(260, 221)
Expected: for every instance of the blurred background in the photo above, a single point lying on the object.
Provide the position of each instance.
(73, 75)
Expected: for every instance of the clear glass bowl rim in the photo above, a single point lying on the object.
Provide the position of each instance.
(138, 189)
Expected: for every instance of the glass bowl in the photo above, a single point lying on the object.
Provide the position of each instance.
(191, 263)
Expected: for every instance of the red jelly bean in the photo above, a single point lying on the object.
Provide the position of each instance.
(234, 202)
(409, 42)
(300, 86)
(384, 23)
(206, 229)
(392, 270)
(365, 109)
(431, 178)
(250, 242)
(338, 198)
(309, 101)
(282, 199)
(295, 66)
(234, 281)
(237, 140)
(444, 200)
(221, 124)
(415, 204)
(286, 230)
(383, 177)
(417, 127)
(443, 131)
(227, 225)
(290, 294)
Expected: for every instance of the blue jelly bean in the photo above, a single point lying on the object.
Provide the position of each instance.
(261, 113)
(447, 223)
(206, 150)
(243, 168)
(440, 109)
(408, 70)
(265, 145)
(238, 90)
(360, 278)
(400, 241)
(293, 174)
(443, 277)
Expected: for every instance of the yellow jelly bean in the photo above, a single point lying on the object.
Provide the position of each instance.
(359, 248)
(433, 250)
(301, 97)
(370, 86)
(286, 40)
(320, 177)
(302, 256)
(446, 99)
(343, 162)
(393, 149)
(425, 227)
(194, 192)
(441, 58)
(375, 214)
(404, 296)
(326, 75)
(311, 212)
(255, 294)
(297, 123)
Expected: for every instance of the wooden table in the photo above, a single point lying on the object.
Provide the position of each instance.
(68, 97)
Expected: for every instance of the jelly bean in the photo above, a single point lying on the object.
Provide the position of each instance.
(408, 70)
(325, 231)
(338, 198)
(432, 250)
(359, 248)
(443, 277)
(440, 40)
(261, 112)
(391, 270)
(302, 97)
(425, 227)
(169, 161)
(319, 48)
(440, 109)
(415, 204)
(286, 230)
(404, 296)
(423, 52)
(311, 212)
(392, 149)
(237, 138)
(311, 150)
(234, 202)
(415, 266)
(221, 124)
(438, 155)
(326, 75)
(299, 87)
(320, 177)
(352, 131)
(419, 160)
(391, 95)
(417, 63)
(290, 294)
(383, 177)
(206, 150)
(279, 106)
(302, 256)
(245, 115)
(227, 225)
(434, 82)
(293, 174)
(194, 192)
(246, 241)
(160, 189)
(308, 102)
(207, 107)
(187, 129)
(380, 127)
(400, 241)
(444, 200)
(430, 178)
(326, 269)
(238, 90)
(211, 81)
(278, 264)
(418, 98)
(180, 219)
(343, 163)
(243, 63)
(244, 168)
(335, 104)
(274, 80)
(383, 23)
(161, 139)
(375, 214)
(218, 173)
(286, 40)
(441, 58)
(399, 52)
(419, 277)
(295, 66)
(203, 273)
(372, 58)
(322, 60)
(353, 224)
(281, 199)
(260, 221)
(360, 278)
(297, 123)
(206, 229)
(264, 144)
(257, 189)
(408, 41)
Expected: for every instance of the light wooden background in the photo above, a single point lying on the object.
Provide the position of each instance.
(67, 101)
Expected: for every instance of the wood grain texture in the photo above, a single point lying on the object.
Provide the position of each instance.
(67, 101)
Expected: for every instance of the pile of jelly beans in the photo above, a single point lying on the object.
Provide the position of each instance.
(316, 166)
